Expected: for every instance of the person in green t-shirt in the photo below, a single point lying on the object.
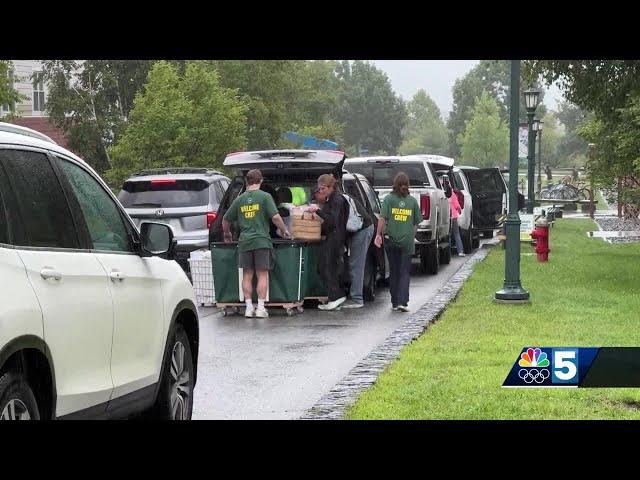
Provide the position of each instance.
(400, 215)
(253, 211)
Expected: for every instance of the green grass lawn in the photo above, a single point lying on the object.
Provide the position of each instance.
(586, 295)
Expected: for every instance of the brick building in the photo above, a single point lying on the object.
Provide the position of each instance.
(27, 80)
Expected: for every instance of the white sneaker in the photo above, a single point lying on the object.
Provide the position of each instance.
(249, 312)
(262, 313)
(332, 305)
(462, 254)
(403, 308)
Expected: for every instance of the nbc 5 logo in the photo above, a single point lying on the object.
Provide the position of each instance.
(565, 365)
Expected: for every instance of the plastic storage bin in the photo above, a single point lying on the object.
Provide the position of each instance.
(202, 277)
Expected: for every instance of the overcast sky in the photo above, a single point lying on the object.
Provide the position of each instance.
(437, 77)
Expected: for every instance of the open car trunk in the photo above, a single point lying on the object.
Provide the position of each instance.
(290, 168)
(487, 189)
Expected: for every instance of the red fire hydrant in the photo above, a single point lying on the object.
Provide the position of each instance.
(541, 236)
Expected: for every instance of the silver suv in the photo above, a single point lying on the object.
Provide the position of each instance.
(187, 199)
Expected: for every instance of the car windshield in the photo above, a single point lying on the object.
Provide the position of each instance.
(163, 193)
(382, 174)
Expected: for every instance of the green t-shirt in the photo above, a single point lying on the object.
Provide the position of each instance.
(253, 211)
(401, 214)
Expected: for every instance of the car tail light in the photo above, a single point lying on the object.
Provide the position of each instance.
(425, 206)
(163, 181)
(460, 198)
(211, 217)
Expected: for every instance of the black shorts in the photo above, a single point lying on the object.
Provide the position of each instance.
(259, 259)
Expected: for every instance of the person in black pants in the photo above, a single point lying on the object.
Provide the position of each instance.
(400, 216)
(334, 212)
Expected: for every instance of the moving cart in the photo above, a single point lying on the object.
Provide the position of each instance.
(287, 280)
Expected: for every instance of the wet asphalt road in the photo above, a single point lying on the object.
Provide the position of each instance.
(278, 367)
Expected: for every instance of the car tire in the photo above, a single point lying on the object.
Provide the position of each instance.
(17, 401)
(430, 260)
(445, 255)
(175, 397)
(475, 242)
(467, 240)
(369, 286)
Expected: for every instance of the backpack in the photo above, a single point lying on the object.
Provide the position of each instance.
(354, 222)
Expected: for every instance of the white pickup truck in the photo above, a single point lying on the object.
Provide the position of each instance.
(432, 236)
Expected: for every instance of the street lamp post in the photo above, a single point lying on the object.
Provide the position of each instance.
(512, 291)
(539, 129)
(531, 101)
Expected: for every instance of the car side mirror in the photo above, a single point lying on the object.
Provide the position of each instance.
(156, 239)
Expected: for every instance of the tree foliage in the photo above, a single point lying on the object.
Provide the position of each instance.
(372, 114)
(91, 100)
(425, 131)
(485, 141)
(8, 94)
(180, 120)
(610, 89)
(493, 77)
(571, 147)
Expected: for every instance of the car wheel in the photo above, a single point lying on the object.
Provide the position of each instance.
(445, 255)
(17, 401)
(175, 398)
(369, 288)
(430, 260)
(475, 242)
(467, 240)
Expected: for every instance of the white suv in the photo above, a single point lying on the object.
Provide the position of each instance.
(96, 321)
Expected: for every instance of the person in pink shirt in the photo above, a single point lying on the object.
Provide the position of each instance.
(455, 210)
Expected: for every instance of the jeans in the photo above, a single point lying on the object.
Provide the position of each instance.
(400, 268)
(358, 248)
(456, 232)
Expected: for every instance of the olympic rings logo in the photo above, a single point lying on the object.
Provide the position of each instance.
(530, 375)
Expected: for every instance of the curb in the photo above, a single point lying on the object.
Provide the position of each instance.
(334, 404)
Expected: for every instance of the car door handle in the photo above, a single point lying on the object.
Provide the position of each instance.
(116, 275)
(48, 272)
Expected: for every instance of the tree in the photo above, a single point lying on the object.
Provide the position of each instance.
(610, 89)
(372, 114)
(425, 131)
(571, 146)
(493, 77)
(265, 88)
(485, 141)
(189, 120)
(551, 138)
(91, 100)
(8, 94)
(601, 86)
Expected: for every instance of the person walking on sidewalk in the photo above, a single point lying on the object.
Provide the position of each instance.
(400, 218)
(334, 212)
(358, 249)
(455, 211)
(254, 210)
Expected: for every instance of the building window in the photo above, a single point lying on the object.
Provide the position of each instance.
(38, 92)
(6, 108)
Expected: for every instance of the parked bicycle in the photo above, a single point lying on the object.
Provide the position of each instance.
(565, 190)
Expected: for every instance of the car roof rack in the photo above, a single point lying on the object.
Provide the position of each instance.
(20, 130)
(178, 170)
